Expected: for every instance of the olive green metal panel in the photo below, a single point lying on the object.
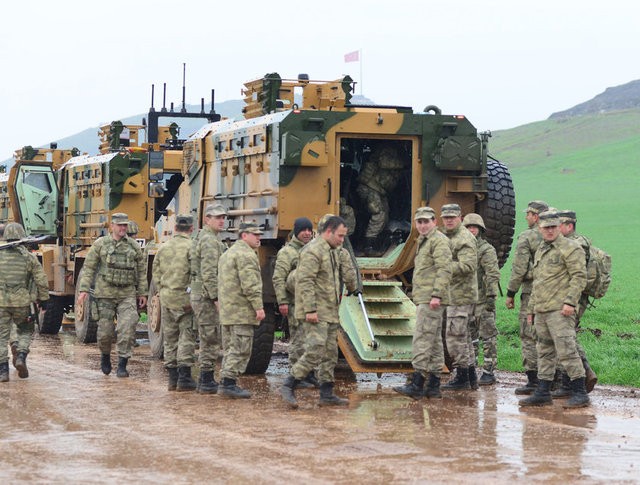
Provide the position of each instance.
(37, 199)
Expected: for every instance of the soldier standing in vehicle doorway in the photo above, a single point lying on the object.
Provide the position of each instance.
(241, 306)
(20, 269)
(171, 273)
(116, 265)
(521, 279)
(205, 255)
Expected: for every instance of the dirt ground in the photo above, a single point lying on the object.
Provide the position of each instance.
(68, 423)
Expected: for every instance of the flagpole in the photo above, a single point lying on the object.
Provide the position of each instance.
(360, 57)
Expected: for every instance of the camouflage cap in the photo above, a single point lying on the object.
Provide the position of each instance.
(450, 210)
(424, 213)
(537, 206)
(323, 221)
(549, 219)
(473, 219)
(250, 227)
(567, 215)
(184, 220)
(132, 228)
(215, 210)
(119, 218)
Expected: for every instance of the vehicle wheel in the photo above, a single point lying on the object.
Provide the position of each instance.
(51, 320)
(86, 326)
(154, 328)
(262, 343)
(498, 209)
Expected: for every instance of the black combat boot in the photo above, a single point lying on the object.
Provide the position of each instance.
(206, 383)
(230, 389)
(311, 379)
(531, 385)
(21, 365)
(564, 389)
(185, 381)
(14, 353)
(286, 391)
(4, 372)
(460, 382)
(487, 379)
(370, 250)
(122, 367)
(412, 388)
(540, 397)
(473, 378)
(328, 398)
(433, 387)
(591, 379)
(173, 378)
(579, 398)
(105, 364)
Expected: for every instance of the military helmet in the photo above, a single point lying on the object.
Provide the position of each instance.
(132, 228)
(14, 231)
(473, 219)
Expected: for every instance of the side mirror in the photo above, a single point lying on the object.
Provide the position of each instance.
(156, 189)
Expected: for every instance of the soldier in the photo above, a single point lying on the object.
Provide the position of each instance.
(20, 269)
(431, 277)
(286, 264)
(521, 279)
(171, 272)
(317, 292)
(116, 265)
(132, 229)
(241, 306)
(461, 298)
(483, 325)
(205, 255)
(559, 277)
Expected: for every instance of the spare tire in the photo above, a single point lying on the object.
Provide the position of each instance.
(263, 336)
(85, 322)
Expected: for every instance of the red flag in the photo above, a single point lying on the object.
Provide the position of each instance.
(352, 56)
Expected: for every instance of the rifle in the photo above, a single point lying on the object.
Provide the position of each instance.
(25, 240)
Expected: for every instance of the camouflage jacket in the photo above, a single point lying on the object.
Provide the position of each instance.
(171, 271)
(205, 255)
(286, 262)
(559, 275)
(463, 289)
(318, 282)
(381, 180)
(239, 285)
(348, 275)
(21, 270)
(521, 267)
(117, 267)
(488, 270)
(432, 267)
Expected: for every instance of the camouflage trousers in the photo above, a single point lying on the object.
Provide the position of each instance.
(581, 308)
(528, 338)
(483, 328)
(238, 342)
(457, 335)
(17, 316)
(378, 208)
(296, 338)
(320, 351)
(179, 337)
(557, 341)
(207, 320)
(427, 348)
(126, 311)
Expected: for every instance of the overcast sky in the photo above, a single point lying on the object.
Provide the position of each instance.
(69, 65)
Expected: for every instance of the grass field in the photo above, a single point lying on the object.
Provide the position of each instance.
(589, 164)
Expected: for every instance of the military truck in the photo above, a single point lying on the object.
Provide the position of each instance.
(299, 151)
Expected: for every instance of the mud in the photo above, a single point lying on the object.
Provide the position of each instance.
(69, 423)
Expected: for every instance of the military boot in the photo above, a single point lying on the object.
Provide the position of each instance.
(370, 250)
(122, 367)
(311, 379)
(579, 398)
(231, 389)
(105, 364)
(185, 381)
(14, 353)
(460, 382)
(540, 397)
(473, 378)
(207, 383)
(328, 398)
(591, 379)
(4, 372)
(173, 378)
(412, 388)
(531, 385)
(433, 387)
(564, 389)
(21, 365)
(286, 391)
(487, 379)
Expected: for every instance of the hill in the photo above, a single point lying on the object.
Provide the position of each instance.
(625, 96)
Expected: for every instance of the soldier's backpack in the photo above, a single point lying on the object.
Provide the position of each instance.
(598, 272)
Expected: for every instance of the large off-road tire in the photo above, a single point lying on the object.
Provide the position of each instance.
(498, 209)
(51, 319)
(86, 326)
(262, 343)
(154, 328)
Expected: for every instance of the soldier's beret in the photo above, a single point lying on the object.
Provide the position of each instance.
(215, 210)
(250, 227)
(537, 206)
(184, 219)
(549, 219)
(119, 218)
(567, 215)
(450, 210)
(425, 213)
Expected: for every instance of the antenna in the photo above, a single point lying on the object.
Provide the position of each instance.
(184, 74)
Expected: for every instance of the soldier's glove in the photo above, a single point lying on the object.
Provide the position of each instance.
(490, 304)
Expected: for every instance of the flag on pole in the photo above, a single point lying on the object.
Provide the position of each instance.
(352, 56)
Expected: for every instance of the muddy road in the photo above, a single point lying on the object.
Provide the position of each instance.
(68, 423)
